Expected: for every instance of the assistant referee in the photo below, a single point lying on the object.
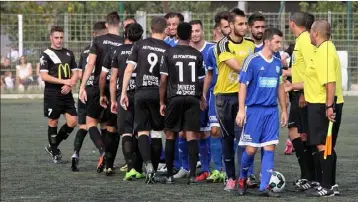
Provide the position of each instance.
(323, 86)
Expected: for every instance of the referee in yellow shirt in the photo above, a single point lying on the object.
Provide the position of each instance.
(323, 92)
(231, 52)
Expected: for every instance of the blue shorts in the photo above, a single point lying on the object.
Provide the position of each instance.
(213, 120)
(261, 127)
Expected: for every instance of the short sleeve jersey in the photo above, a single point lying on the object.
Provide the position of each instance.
(228, 79)
(145, 56)
(262, 78)
(59, 64)
(185, 68)
(120, 62)
(326, 68)
(100, 46)
(210, 63)
(83, 59)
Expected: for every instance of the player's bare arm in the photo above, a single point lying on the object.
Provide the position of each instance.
(67, 88)
(330, 89)
(240, 118)
(102, 83)
(207, 81)
(50, 79)
(113, 89)
(162, 90)
(126, 77)
(282, 101)
(234, 65)
(88, 70)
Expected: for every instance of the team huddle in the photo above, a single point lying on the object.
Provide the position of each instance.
(209, 100)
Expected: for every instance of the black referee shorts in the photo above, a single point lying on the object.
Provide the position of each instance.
(125, 118)
(146, 110)
(56, 104)
(298, 115)
(182, 114)
(318, 124)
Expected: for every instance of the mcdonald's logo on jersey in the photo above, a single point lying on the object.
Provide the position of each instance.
(65, 68)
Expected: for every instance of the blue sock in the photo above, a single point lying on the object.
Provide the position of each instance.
(183, 153)
(239, 151)
(267, 168)
(246, 162)
(177, 162)
(216, 153)
(204, 152)
(208, 142)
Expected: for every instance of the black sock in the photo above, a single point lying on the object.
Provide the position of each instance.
(317, 164)
(77, 144)
(327, 170)
(63, 133)
(117, 139)
(52, 139)
(309, 162)
(103, 134)
(169, 156)
(156, 147)
(193, 156)
(127, 147)
(300, 154)
(110, 149)
(229, 156)
(96, 138)
(334, 154)
(138, 160)
(144, 148)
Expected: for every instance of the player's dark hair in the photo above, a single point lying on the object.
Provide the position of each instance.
(299, 18)
(196, 22)
(130, 18)
(184, 31)
(158, 25)
(270, 32)
(133, 32)
(236, 12)
(309, 21)
(113, 18)
(223, 15)
(56, 28)
(173, 15)
(255, 17)
(99, 26)
(216, 25)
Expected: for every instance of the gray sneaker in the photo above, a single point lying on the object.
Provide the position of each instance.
(335, 189)
(57, 159)
(182, 174)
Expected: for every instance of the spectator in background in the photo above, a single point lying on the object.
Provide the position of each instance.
(4, 72)
(23, 74)
(13, 54)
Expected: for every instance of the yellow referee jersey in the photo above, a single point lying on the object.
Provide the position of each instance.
(325, 68)
(301, 57)
(228, 79)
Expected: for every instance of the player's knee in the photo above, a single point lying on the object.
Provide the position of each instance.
(303, 136)
(182, 135)
(270, 148)
(293, 133)
(91, 122)
(83, 127)
(52, 122)
(111, 129)
(156, 134)
(190, 135)
(215, 132)
(72, 123)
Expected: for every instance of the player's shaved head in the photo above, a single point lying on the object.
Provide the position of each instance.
(158, 25)
(99, 28)
(299, 18)
(323, 28)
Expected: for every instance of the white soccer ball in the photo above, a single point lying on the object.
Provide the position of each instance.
(277, 182)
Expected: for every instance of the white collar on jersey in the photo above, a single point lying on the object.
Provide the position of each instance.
(269, 61)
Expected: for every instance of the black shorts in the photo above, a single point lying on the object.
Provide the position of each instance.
(298, 115)
(182, 114)
(94, 109)
(226, 106)
(81, 110)
(107, 115)
(318, 124)
(125, 119)
(146, 110)
(56, 104)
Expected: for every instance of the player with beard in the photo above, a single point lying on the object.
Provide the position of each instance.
(58, 69)
(144, 58)
(218, 174)
(181, 72)
(90, 92)
(99, 29)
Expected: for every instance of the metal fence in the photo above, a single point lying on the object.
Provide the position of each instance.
(28, 34)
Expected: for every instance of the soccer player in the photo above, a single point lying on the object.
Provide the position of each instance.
(260, 87)
(217, 34)
(173, 20)
(301, 59)
(99, 29)
(90, 92)
(133, 33)
(231, 52)
(218, 174)
(58, 69)
(181, 72)
(324, 76)
(144, 58)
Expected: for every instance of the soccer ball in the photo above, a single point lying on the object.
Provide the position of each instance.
(277, 181)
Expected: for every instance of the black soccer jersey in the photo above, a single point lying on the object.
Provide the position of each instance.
(120, 62)
(107, 65)
(59, 64)
(100, 46)
(83, 59)
(185, 68)
(146, 56)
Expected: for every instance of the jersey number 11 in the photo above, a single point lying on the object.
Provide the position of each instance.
(180, 65)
